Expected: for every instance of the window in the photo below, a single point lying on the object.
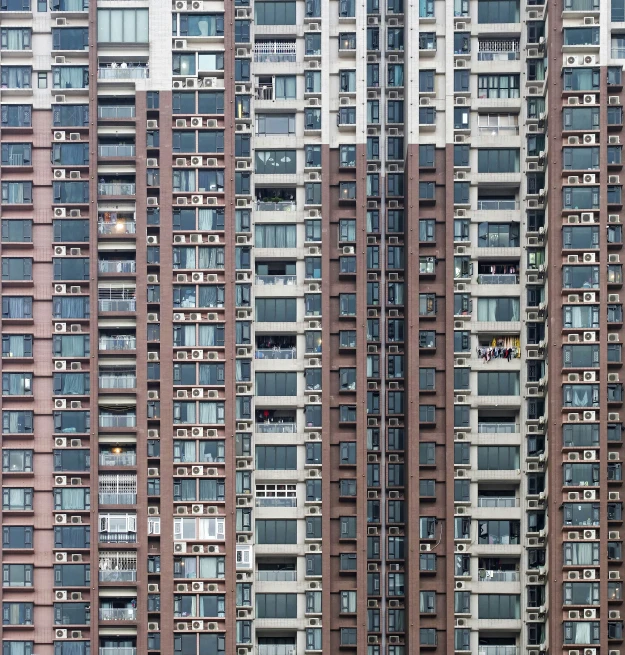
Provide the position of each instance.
(498, 532)
(17, 613)
(581, 79)
(276, 606)
(280, 310)
(123, 25)
(276, 458)
(498, 86)
(17, 575)
(581, 632)
(201, 24)
(17, 38)
(498, 383)
(17, 536)
(276, 531)
(275, 13)
(491, 458)
(498, 160)
(498, 309)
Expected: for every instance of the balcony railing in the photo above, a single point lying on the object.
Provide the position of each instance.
(278, 280)
(113, 650)
(117, 227)
(498, 428)
(119, 73)
(491, 501)
(117, 151)
(264, 92)
(507, 278)
(118, 537)
(117, 266)
(276, 502)
(497, 205)
(276, 649)
(118, 421)
(274, 52)
(119, 111)
(505, 130)
(117, 188)
(618, 53)
(497, 650)
(276, 576)
(486, 575)
(279, 206)
(282, 353)
(117, 343)
(118, 614)
(117, 381)
(117, 305)
(117, 576)
(118, 459)
(276, 428)
(493, 55)
(113, 498)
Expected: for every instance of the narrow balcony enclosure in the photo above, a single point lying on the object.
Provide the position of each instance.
(275, 199)
(276, 347)
(274, 421)
(278, 273)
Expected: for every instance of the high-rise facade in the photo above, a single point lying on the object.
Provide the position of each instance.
(311, 327)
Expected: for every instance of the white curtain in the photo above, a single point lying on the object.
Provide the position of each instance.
(184, 451)
(211, 258)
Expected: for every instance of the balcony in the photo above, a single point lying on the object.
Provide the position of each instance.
(121, 420)
(117, 299)
(276, 280)
(274, 52)
(122, 71)
(276, 502)
(276, 649)
(118, 459)
(118, 379)
(114, 650)
(276, 206)
(116, 111)
(117, 266)
(117, 189)
(276, 576)
(123, 150)
(497, 650)
(117, 498)
(118, 576)
(118, 614)
(487, 575)
(121, 342)
(498, 428)
(117, 537)
(119, 227)
(270, 199)
(276, 353)
(497, 501)
(498, 50)
(497, 205)
(276, 428)
(498, 279)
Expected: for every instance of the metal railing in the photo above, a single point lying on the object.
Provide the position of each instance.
(117, 111)
(264, 92)
(117, 188)
(492, 55)
(117, 381)
(118, 614)
(113, 498)
(276, 502)
(276, 428)
(491, 501)
(113, 650)
(118, 73)
(276, 576)
(117, 576)
(118, 459)
(278, 280)
(497, 650)
(118, 227)
(117, 305)
(276, 649)
(486, 575)
(117, 343)
(279, 206)
(498, 428)
(508, 130)
(497, 205)
(117, 420)
(618, 53)
(506, 278)
(117, 266)
(118, 537)
(278, 353)
(274, 52)
(117, 151)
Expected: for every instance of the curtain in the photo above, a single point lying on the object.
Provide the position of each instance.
(208, 413)
(71, 308)
(582, 632)
(184, 181)
(211, 451)
(210, 219)
(17, 307)
(285, 87)
(189, 567)
(17, 384)
(17, 498)
(185, 335)
(187, 297)
(71, 77)
(211, 180)
(72, 346)
(186, 258)
(276, 236)
(210, 296)
(16, 345)
(208, 336)
(15, 193)
(72, 499)
(185, 451)
(72, 384)
(582, 555)
(211, 258)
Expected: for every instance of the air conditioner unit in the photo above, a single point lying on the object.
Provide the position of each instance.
(589, 138)
(589, 178)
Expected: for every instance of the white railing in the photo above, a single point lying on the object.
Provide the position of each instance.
(117, 266)
(276, 649)
(279, 206)
(118, 576)
(117, 305)
(117, 188)
(117, 151)
(118, 614)
(112, 498)
(117, 381)
(278, 280)
(277, 353)
(117, 227)
(498, 428)
(113, 650)
(119, 111)
(492, 55)
(276, 576)
(507, 278)
(497, 205)
(117, 343)
(274, 52)
(119, 73)
(118, 459)
(118, 421)
(276, 502)
(505, 501)
(497, 650)
(276, 428)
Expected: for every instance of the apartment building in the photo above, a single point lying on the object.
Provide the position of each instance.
(311, 327)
